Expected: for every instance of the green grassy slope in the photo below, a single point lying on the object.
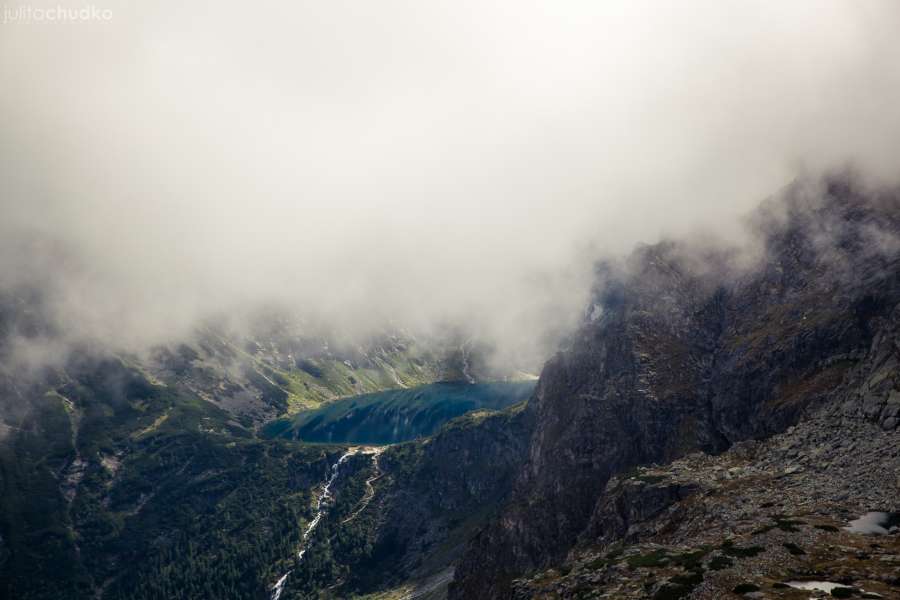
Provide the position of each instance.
(268, 377)
(397, 415)
(115, 486)
(112, 483)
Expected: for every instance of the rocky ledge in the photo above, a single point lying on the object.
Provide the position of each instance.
(768, 519)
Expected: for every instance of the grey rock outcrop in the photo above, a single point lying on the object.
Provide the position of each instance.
(693, 351)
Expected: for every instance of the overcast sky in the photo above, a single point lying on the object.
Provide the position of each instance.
(413, 161)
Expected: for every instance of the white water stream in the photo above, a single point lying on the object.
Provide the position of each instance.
(321, 508)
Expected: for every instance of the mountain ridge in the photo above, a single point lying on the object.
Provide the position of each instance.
(680, 362)
(664, 452)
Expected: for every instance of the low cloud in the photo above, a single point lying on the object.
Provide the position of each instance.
(410, 164)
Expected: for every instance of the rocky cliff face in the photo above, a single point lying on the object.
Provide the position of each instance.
(752, 522)
(688, 349)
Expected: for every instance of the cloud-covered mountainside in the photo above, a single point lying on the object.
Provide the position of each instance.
(409, 168)
(692, 352)
(713, 423)
(241, 243)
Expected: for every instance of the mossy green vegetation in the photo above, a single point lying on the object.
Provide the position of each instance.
(783, 523)
(717, 563)
(794, 549)
(730, 549)
(679, 585)
(661, 557)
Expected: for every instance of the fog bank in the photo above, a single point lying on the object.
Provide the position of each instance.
(416, 164)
